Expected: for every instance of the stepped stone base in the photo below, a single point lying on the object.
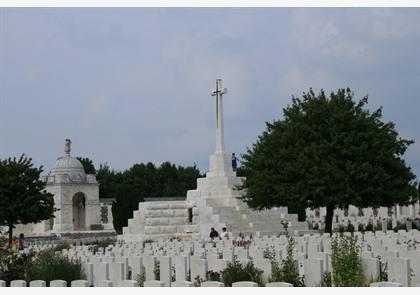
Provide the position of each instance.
(215, 204)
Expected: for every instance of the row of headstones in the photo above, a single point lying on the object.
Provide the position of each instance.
(398, 268)
(155, 283)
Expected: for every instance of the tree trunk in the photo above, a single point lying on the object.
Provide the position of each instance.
(329, 219)
(10, 234)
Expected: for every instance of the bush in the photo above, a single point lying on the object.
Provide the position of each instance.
(13, 266)
(326, 279)
(360, 227)
(141, 278)
(400, 226)
(48, 266)
(213, 276)
(236, 272)
(288, 271)
(346, 262)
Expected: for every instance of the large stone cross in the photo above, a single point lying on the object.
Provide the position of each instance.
(220, 146)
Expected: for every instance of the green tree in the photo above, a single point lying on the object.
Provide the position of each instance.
(87, 165)
(328, 152)
(23, 198)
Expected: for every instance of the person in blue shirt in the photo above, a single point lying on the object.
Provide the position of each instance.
(234, 162)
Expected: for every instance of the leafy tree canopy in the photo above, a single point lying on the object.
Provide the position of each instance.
(328, 151)
(87, 165)
(23, 198)
(141, 181)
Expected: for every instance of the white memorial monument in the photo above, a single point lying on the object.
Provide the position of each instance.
(214, 203)
(76, 198)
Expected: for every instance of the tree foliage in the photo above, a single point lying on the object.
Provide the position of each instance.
(141, 181)
(87, 165)
(23, 198)
(328, 151)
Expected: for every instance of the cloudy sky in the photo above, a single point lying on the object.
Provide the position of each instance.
(133, 85)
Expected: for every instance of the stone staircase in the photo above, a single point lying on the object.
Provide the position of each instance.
(161, 219)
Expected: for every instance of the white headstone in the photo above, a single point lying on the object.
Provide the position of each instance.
(385, 284)
(165, 270)
(278, 284)
(88, 270)
(182, 284)
(244, 284)
(104, 283)
(116, 272)
(313, 269)
(58, 283)
(399, 271)
(100, 272)
(181, 268)
(79, 283)
(154, 283)
(37, 283)
(128, 283)
(371, 269)
(149, 265)
(212, 284)
(18, 283)
(2, 283)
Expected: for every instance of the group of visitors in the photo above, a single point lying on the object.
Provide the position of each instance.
(215, 235)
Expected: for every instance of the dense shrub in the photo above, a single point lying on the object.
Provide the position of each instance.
(13, 266)
(237, 272)
(346, 262)
(369, 227)
(48, 266)
(213, 276)
(400, 226)
(288, 271)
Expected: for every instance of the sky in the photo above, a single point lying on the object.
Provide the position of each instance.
(131, 85)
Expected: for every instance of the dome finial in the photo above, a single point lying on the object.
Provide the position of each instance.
(67, 147)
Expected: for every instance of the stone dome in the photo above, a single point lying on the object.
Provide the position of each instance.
(67, 166)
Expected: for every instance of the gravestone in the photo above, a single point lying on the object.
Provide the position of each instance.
(278, 284)
(385, 284)
(104, 283)
(399, 271)
(182, 284)
(18, 283)
(128, 283)
(154, 283)
(212, 284)
(58, 283)
(79, 283)
(244, 284)
(37, 283)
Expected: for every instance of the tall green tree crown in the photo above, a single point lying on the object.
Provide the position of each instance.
(23, 198)
(328, 151)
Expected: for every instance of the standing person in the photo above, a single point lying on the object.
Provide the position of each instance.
(234, 162)
(224, 234)
(213, 233)
(21, 241)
